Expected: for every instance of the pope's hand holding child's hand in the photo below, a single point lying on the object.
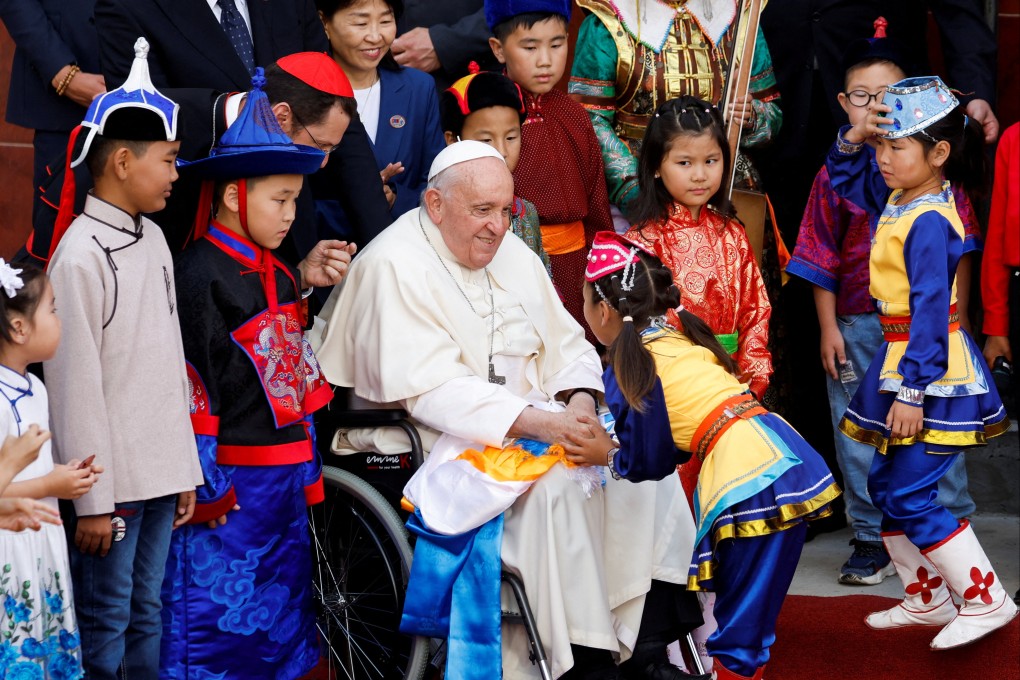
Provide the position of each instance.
(591, 447)
(326, 264)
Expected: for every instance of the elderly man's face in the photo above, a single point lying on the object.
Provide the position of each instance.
(473, 211)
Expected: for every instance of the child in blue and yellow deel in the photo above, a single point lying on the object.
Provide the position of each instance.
(237, 595)
(674, 392)
(928, 394)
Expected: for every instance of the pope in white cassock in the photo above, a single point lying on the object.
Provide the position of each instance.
(456, 321)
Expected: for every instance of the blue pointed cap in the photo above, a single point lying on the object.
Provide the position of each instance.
(134, 111)
(916, 103)
(255, 145)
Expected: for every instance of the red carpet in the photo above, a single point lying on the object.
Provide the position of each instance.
(824, 638)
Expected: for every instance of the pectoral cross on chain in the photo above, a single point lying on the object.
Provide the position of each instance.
(495, 379)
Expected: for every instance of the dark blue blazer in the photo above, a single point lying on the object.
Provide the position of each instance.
(48, 35)
(409, 131)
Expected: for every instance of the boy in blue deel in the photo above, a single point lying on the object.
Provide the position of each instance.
(237, 594)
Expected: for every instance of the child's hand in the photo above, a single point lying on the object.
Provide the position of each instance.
(326, 264)
(69, 481)
(833, 350)
(221, 520)
(185, 508)
(94, 535)
(592, 449)
(868, 127)
(904, 420)
(18, 452)
(17, 514)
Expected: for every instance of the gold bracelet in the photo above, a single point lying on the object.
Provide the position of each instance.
(66, 82)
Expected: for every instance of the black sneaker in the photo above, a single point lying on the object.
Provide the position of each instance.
(868, 566)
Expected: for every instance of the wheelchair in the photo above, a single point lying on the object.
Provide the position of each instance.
(362, 559)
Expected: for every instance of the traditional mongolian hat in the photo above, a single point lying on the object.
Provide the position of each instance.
(255, 145)
(476, 91)
(879, 47)
(498, 11)
(917, 103)
(610, 253)
(135, 111)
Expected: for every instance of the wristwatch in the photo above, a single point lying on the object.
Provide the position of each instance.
(609, 461)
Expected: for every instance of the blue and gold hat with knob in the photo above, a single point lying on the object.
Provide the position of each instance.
(917, 103)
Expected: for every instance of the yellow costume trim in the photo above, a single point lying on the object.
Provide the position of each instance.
(960, 371)
(766, 457)
(927, 435)
(512, 463)
(786, 519)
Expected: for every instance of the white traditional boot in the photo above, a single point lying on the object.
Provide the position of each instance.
(986, 604)
(927, 600)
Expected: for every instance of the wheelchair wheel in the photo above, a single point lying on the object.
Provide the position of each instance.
(362, 562)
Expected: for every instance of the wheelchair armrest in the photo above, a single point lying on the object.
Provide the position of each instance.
(382, 417)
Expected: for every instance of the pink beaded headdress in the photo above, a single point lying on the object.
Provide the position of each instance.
(611, 253)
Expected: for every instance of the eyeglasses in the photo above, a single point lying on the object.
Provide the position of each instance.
(321, 147)
(862, 98)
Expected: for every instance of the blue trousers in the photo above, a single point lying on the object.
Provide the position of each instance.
(862, 338)
(905, 486)
(751, 579)
(116, 598)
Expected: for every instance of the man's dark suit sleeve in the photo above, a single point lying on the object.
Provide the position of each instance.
(970, 47)
(33, 33)
(458, 43)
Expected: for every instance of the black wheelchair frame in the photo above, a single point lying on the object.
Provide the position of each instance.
(362, 560)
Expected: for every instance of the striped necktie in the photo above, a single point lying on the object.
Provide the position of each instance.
(237, 32)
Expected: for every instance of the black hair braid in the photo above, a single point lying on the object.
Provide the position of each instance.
(651, 295)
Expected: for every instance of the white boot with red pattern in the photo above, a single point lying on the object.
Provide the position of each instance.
(966, 569)
(927, 600)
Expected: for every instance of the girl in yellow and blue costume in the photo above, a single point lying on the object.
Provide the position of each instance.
(928, 394)
(673, 393)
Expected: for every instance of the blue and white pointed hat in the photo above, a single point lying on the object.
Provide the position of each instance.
(134, 111)
(255, 145)
(917, 103)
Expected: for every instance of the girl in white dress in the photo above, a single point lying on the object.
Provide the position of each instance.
(38, 634)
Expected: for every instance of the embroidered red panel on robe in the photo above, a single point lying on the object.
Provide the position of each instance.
(286, 366)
